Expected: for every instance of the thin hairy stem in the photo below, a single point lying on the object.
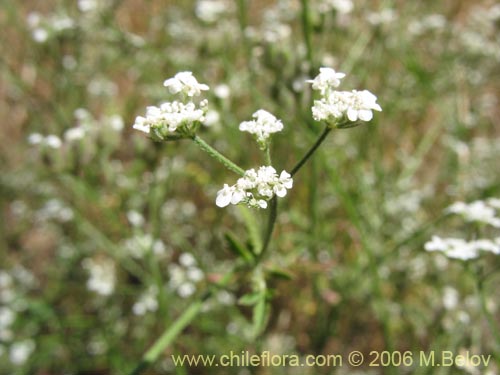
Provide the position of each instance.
(311, 151)
(218, 156)
(273, 213)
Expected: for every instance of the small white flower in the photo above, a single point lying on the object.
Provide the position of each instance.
(263, 126)
(326, 80)
(186, 83)
(224, 196)
(361, 106)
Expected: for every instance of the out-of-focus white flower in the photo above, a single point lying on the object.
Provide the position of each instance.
(455, 248)
(140, 245)
(458, 248)
(187, 260)
(21, 351)
(276, 33)
(74, 134)
(170, 117)
(255, 188)
(326, 80)
(477, 211)
(54, 209)
(385, 16)
(135, 218)
(148, 301)
(53, 141)
(186, 83)
(40, 35)
(43, 28)
(183, 277)
(87, 5)
(212, 118)
(7, 317)
(35, 138)
(450, 298)
(210, 10)
(427, 23)
(102, 276)
(222, 91)
(262, 127)
(116, 122)
(50, 141)
(341, 6)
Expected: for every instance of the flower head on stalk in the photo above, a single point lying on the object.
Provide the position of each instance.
(341, 109)
(186, 83)
(177, 119)
(255, 188)
(262, 127)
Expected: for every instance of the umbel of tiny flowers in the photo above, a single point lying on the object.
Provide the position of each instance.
(341, 109)
(186, 83)
(175, 120)
(262, 127)
(255, 188)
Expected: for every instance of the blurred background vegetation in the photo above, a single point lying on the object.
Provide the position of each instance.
(106, 236)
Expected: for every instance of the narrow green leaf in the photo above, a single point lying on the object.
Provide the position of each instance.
(252, 228)
(280, 273)
(237, 247)
(249, 299)
(259, 314)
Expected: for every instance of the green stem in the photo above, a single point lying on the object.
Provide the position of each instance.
(268, 155)
(217, 155)
(273, 213)
(311, 151)
(171, 333)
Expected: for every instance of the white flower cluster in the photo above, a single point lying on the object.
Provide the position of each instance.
(174, 120)
(478, 211)
(43, 28)
(185, 275)
(148, 301)
(169, 116)
(211, 10)
(262, 127)
(340, 6)
(255, 188)
(186, 83)
(458, 248)
(101, 275)
(49, 141)
(341, 108)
